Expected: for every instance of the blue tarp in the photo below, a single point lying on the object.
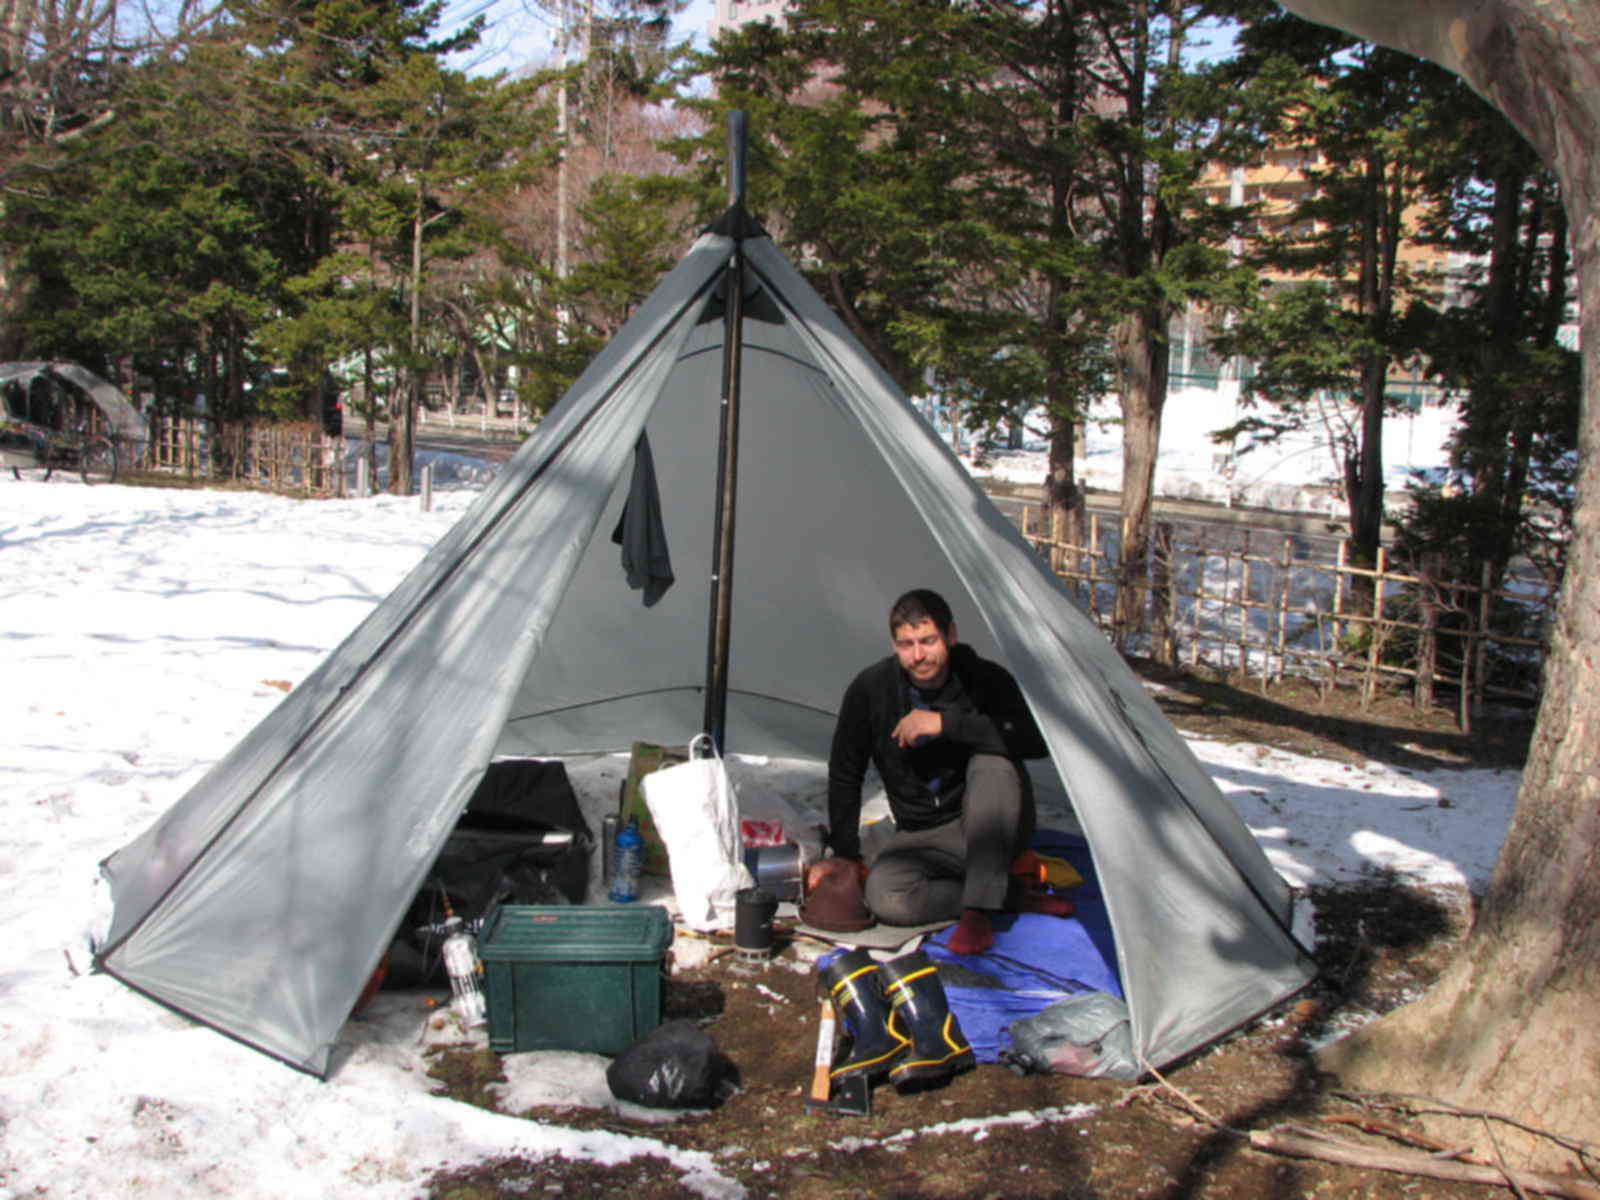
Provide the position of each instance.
(1035, 961)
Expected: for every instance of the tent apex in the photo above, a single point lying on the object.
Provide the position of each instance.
(738, 224)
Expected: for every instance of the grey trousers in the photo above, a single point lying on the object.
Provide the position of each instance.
(929, 875)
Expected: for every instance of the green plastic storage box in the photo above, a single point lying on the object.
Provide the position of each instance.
(573, 978)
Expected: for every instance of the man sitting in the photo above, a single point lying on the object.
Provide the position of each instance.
(947, 731)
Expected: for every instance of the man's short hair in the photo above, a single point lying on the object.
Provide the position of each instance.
(918, 605)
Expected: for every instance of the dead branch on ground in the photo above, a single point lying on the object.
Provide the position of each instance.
(1301, 1145)
(1422, 1106)
(1442, 1162)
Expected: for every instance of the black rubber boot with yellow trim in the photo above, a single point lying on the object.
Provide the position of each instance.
(853, 983)
(920, 1013)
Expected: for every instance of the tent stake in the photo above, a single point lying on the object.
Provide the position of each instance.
(716, 712)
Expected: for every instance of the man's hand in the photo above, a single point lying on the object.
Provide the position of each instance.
(831, 866)
(917, 726)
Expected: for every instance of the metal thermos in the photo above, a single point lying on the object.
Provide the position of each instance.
(778, 869)
(608, 847)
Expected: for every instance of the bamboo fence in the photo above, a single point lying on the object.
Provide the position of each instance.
(1266, 610)
(294, 459)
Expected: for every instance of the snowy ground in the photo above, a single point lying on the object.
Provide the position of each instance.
(1298, 473)
(145, 631)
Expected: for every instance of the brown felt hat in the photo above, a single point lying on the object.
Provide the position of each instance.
(835, 902)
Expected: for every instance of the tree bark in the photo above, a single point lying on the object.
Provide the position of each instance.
(1499, 479)
(1144, 355)
(1380, 234)
(1511, 1025)
(403, 432)
(1064, 511)
(1364, 474)
(370, 416)
(1065, 508)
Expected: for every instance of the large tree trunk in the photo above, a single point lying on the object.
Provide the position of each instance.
(1139, 342)
(1380, 237)
(1143, 355)
(1064, 512)
(403, 424)
(1363, 474)
(1511, 1027)
(1521, 412)
(371, 417)
(1501, 480)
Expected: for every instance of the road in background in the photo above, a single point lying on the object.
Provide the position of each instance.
(494, 441)
(1315, 537)
(462, 441)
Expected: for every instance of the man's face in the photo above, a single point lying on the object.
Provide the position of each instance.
(924, 652)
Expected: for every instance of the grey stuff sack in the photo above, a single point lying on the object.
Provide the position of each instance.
(1085, 1035)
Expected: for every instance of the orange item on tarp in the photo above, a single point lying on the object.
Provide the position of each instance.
(1046, 870)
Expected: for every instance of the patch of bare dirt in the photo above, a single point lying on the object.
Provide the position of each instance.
(992, 1133)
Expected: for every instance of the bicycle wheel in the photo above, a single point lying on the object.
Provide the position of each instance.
(27, 453)
(98, 461)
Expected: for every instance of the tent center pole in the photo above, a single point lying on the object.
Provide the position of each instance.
(720, 635)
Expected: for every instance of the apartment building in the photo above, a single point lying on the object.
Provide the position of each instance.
(730, 14)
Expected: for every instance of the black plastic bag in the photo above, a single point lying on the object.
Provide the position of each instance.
(675, 1066)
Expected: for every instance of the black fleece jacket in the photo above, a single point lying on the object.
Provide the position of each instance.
(983, 713)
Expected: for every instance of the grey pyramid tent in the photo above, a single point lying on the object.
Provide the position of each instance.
(262, 901)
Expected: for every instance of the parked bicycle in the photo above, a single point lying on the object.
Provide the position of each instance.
(59, 416)
(31, 448)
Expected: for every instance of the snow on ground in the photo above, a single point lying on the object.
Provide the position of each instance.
(1329, 822)
(145, 632)
(1299, 473)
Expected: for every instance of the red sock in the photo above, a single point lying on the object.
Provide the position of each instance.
(973, 934)
(1026, 863)
(1048, 905)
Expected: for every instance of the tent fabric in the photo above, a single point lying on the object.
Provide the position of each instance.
(263, 900)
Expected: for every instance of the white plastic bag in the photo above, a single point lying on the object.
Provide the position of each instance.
(697, 816)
